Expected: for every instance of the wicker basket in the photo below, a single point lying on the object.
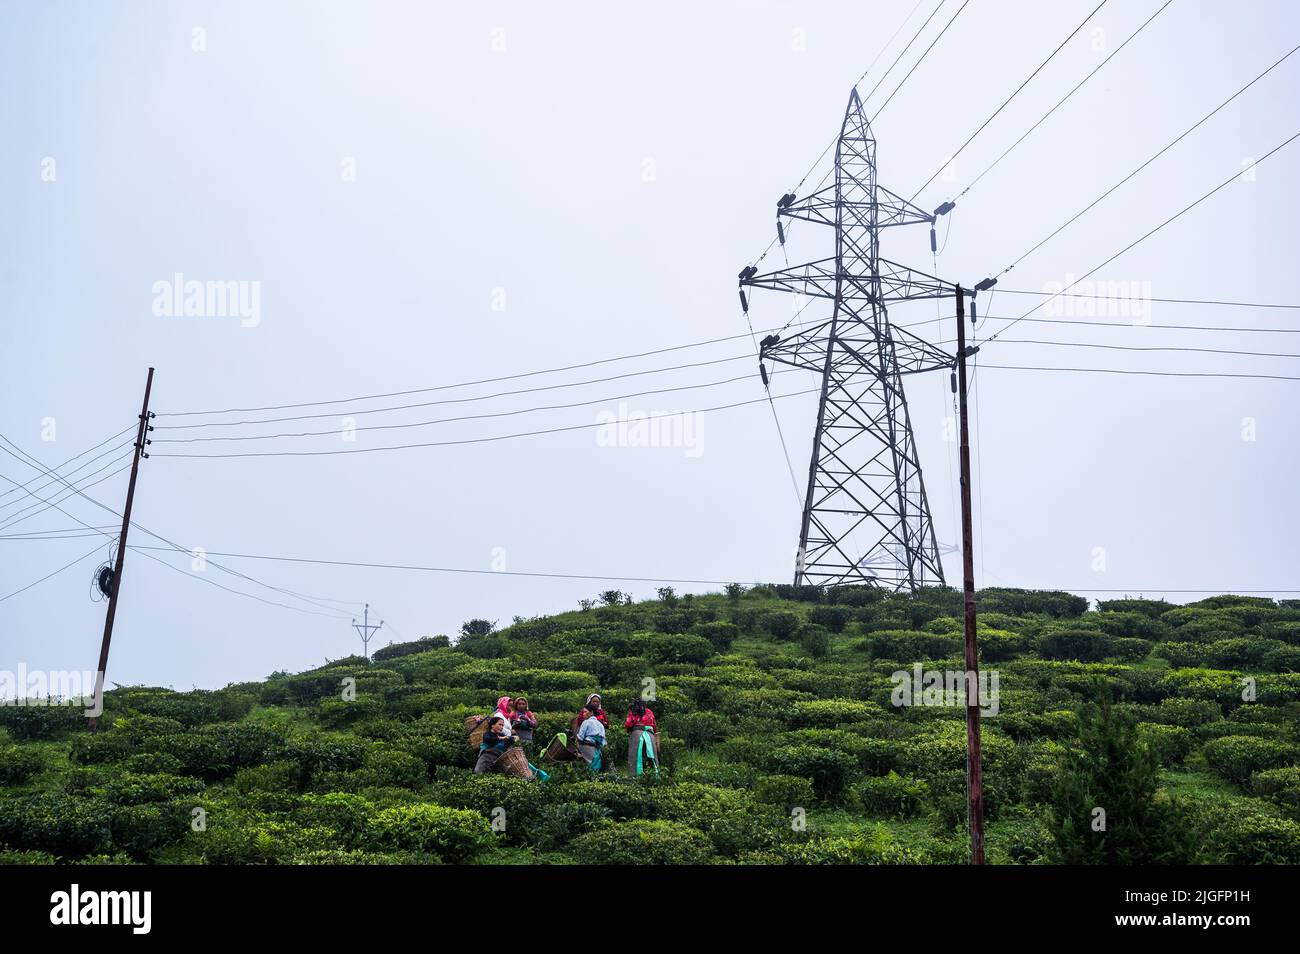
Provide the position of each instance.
(476, 726)
(514, 762)
(557, 751)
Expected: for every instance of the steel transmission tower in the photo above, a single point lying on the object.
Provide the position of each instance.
(865, 516)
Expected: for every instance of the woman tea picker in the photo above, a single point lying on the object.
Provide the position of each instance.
(591, 739)
(496, 739)
(642, 739)
(522, 722)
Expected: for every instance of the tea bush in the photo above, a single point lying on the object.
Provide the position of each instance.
(450, 833)
(642, 843)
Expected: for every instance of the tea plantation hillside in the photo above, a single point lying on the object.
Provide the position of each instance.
(781, 742)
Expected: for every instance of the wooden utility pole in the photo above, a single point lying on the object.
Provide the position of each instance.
(140, 442)
(974, 766)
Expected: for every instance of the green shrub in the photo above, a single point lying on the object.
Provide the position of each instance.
(62, 825)
(234, 838)
(1237, 757)
(281, 776)
(674, 648)
(558, 824)
(522, 802)
(342, 812)
(1128, 625)
(1085, 645)
(781, 624)
(1184, 655)
(1282, 659)
(720, 634)
(816, 642)
(153, 763)
(1281, 786)
(32, 723)
(909, 646)
(18, 764)
(826, 769)
(1017, 602)
(424, 644)
(784, 791)
(642, 843)
(1110, 769)
(875, 847)
(130, 789)
(1184, 712)
(828, 713)
(450, 833)
(1243, 832)
(143, 829)
(893, 796)
(834, 618)
(734, 821)
(1170, 743)
(1129, 649)
(391, 767)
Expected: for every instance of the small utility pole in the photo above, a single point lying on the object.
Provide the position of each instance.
(366, 631)
(140, 442)
(974, 767)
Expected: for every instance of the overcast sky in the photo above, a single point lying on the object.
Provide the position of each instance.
(422, 195)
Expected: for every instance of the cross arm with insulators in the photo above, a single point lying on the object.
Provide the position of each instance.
(855, 342)
(820, 207)
(818, 279)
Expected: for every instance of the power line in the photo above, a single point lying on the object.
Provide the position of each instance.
(204, 579)
(552, 387)
(62, 533)
(1147, 235)
(1148, 162)
(32, 462)
(47, 576)
(632, 579)
(831, 144)
(901, 82)
(1170, 301)
(1046, 115)
(1160, 374)
(1014, 94)
(465, 384)
(22, 515)
(481, 572)
(71, 459)
(69, 474)
(478, 440)
(1115, 347)
(1093, 323)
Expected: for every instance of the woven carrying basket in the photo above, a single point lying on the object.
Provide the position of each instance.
(514, 762)
(557, 751)
(476, 726)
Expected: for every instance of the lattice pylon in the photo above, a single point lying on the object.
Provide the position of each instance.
(866, 518)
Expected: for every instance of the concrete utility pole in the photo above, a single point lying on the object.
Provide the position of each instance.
(366, 631)
(140, 442)
(974, 767)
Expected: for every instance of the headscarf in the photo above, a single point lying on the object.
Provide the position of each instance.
(594, 695)
(503, 710)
